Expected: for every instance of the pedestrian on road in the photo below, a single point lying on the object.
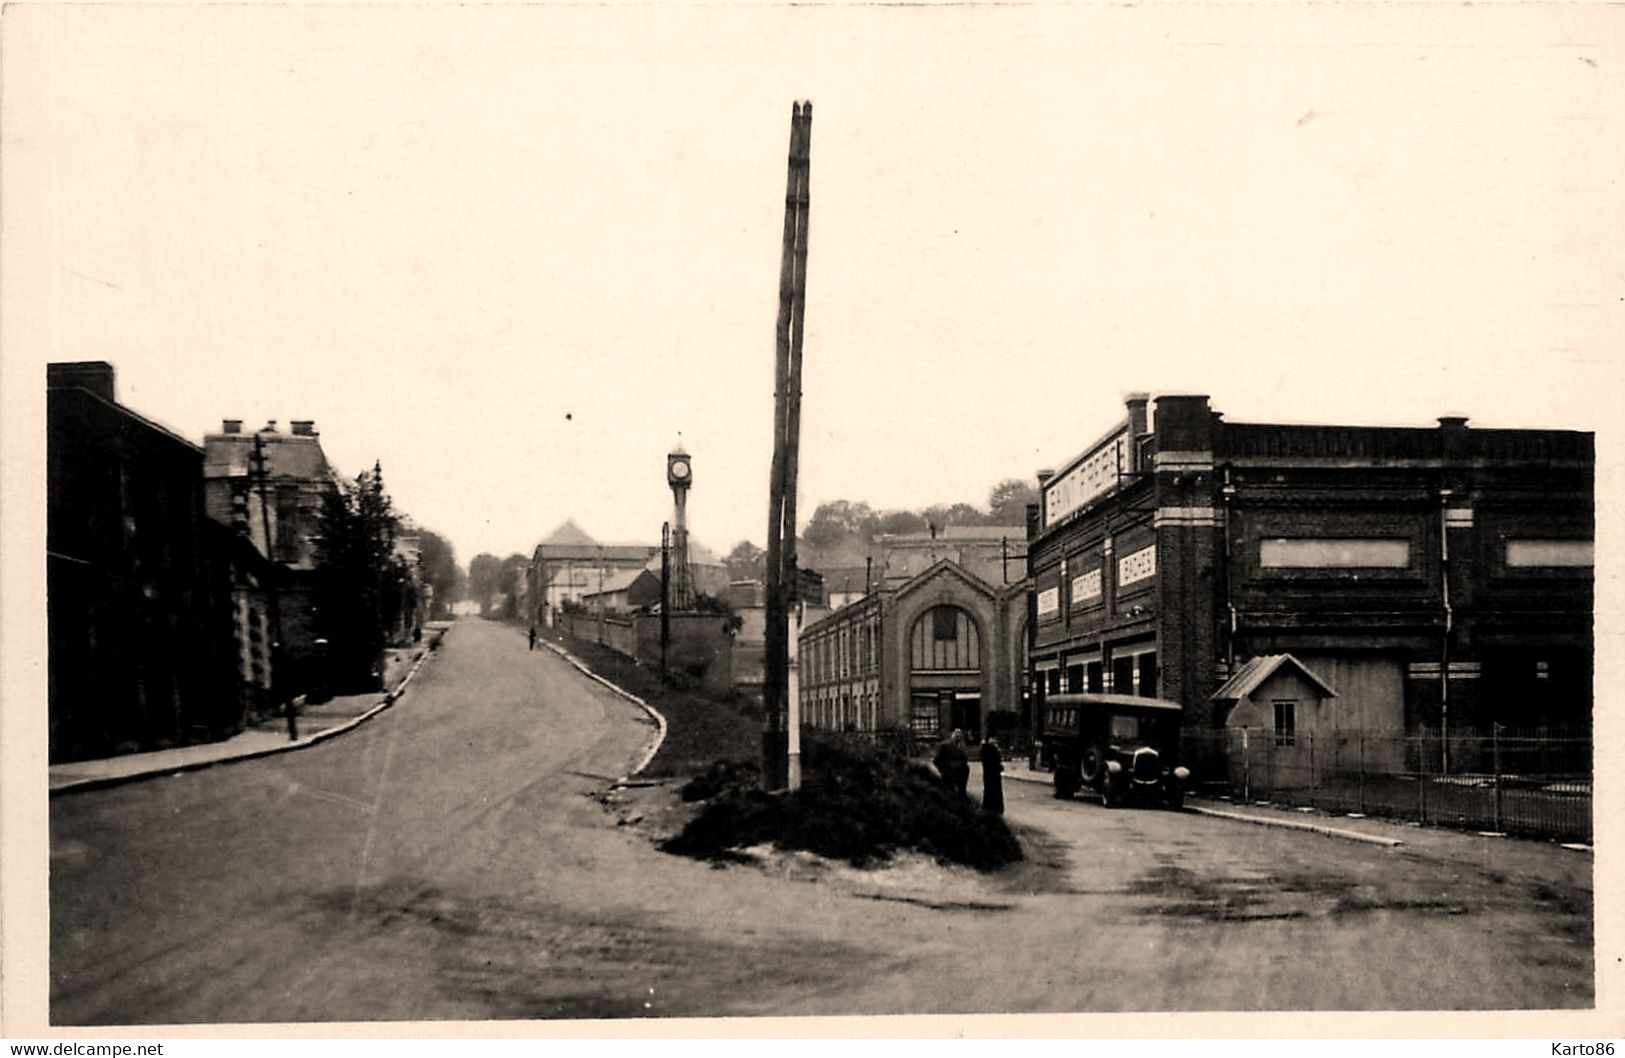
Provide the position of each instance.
(992, 780)
(533, 637)
(952, 763)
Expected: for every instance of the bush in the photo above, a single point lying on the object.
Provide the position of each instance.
(856, 804)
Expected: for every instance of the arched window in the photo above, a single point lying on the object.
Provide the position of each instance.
(945, 639)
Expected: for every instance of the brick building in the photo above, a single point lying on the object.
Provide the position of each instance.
(1416, 578)
(140, 585)
(939, 650)
(269, 485)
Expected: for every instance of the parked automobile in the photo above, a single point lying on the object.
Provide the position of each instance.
(1122, 747)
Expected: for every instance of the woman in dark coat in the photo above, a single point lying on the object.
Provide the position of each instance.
(992, 777)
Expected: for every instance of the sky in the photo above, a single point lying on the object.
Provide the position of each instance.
(516, 254)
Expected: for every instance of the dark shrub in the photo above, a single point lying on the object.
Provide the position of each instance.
(856, 804)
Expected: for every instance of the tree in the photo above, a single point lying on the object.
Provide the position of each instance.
(484, 581)
(942, 515)
(511, 583)
(832, 521)
(359, 579)
(1007, 503)
(898, 522)
(440, 571)
(746, 562)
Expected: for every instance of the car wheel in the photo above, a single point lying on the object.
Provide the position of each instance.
(1066, 783)
(1092, 767)
(1176, 796)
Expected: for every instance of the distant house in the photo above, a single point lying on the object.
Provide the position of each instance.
(270, 485)
(569, 566)
(140, 586)
(625, 592)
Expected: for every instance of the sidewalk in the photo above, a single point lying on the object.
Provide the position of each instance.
(317, 723)
(1369, 829)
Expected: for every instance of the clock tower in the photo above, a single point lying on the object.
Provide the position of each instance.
(680, 475)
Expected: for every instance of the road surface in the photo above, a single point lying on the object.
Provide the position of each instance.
(451, 860)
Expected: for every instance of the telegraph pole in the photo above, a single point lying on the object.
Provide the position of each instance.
(781, 531)
(262, 474)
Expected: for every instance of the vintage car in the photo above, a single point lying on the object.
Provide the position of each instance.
(1122, 747)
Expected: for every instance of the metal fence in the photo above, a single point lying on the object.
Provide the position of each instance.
(1530, 783)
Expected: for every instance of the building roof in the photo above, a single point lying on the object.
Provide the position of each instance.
(293, 456)
(990, 533)
(619, 581)
(1248, 678)
(569, 535)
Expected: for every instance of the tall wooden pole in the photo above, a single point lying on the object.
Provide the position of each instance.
(786, 427)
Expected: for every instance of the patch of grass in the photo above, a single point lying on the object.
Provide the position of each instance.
(700, 729)
(855, 804)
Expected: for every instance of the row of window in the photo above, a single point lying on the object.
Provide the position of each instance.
(830, 709)
(851, 648)
(1129, 674)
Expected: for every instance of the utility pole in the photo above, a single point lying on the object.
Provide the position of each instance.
(781, 532)
(262, 473)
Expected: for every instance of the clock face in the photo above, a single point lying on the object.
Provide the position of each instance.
(679, 469)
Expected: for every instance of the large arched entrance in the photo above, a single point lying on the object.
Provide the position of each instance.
(945, 672)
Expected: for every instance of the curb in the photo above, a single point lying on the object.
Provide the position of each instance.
(660, 721)
(385, 702)
(1293, 824)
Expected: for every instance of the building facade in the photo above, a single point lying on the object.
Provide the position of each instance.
(1418, 578)
(270, 485)
(940, 650)
(139, 584)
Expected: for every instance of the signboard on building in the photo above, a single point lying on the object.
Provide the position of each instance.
(1137, 566)
(1098, 471)
(1049, 601)
(1086, 587)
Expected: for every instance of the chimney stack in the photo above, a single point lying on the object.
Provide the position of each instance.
(95, 376)
(231, 426)
(304, 427)
(269, 427)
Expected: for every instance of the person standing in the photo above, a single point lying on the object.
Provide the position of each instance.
(992, 777)
(952, 763)
(533, 637)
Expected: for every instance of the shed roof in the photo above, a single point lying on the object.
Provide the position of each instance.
(1248, 678)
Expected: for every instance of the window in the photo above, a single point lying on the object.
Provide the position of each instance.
(944, 624)
(1123, 675)
(1286, 722)
(1074, 678)
(923, 717)
(1148, 675)
(1096, 677)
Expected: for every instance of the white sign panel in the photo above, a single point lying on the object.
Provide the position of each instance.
(1086, 588)
(1137, 566)
(1049, 601)
(1097, 472)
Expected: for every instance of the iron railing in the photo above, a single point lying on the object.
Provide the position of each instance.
(1530, 783)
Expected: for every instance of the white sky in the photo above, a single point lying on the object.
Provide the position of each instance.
(513, 253)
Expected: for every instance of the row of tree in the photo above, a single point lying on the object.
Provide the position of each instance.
(845, 522)
(365, 593)
(495, 583)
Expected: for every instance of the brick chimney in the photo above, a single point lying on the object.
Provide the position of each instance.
(93, 375)
(231, 426)
(303, 427)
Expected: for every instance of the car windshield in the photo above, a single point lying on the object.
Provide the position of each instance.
(1125, 727)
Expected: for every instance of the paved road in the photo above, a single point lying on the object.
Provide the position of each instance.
(449, 860)
(303, 886)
